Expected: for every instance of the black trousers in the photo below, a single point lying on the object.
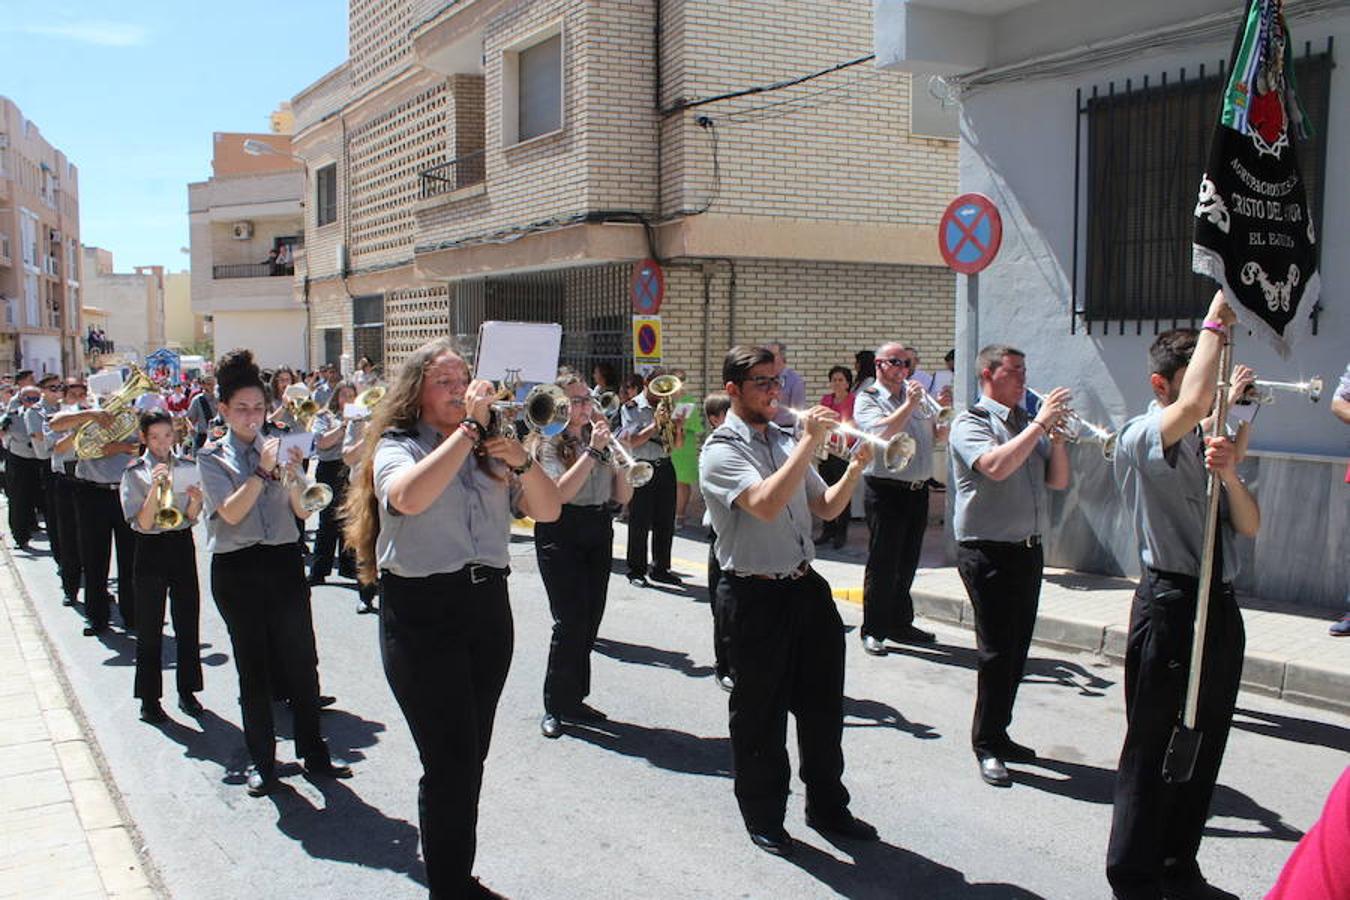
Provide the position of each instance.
(896, 519)
(832, 468)
(166, 567)
(1156, 826)
(788, 644)
(721, 643)
(1003, 582)
(652, 510)
(328, 540)
(446, 644)
(262, 596)
(68, 559)
(574, 554)
(49, 512)
(101, 526)
(23, 476)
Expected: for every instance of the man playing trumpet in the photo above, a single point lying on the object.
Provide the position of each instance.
(1001, 466)
(784, 632)
(651, 431)
(896, 501)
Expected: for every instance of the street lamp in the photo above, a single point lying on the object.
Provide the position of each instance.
(255, 147)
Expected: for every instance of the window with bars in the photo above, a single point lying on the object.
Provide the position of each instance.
(368, 328)
(1147, 145)
(325, 195)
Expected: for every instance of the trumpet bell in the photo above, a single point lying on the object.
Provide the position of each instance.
(317, 497)
(547, 409)
(371, 396)
(639, 473)
(898, 452)
(168, 518)
(607, 402)
(665, 387)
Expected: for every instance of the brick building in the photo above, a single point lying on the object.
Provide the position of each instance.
(513, 160)
(130, 307)
(39, 250)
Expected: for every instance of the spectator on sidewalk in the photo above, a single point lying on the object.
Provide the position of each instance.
(1340, 408)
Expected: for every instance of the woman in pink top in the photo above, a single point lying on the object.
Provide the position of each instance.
(839, 399)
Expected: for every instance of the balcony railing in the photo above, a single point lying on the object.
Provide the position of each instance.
(49, 265)
(460, 172)
(252, 270)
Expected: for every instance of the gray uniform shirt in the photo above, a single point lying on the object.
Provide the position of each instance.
(225, 466)
(59, 460)
(104, 469)
(1164, 490)
(1013, 509)
(873, 405)
(736, 458)
(470, 522)
(136, 486)
(323, 422)
(37, 425)
(20, 435)
(636, 415)
(599, 484)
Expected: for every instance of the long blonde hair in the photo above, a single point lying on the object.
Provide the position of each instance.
(400, 408)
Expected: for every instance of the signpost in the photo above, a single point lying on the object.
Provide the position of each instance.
(646, 342)
(969, 236)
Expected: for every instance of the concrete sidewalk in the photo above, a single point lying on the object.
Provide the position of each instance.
(1289, 653)
(62, 832)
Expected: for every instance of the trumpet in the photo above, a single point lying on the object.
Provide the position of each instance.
(545, 410)
(606, 403)
(636, 472)
(1263, 392)
(1075, 429)
(302, 405)
(371, 397)
(316, 496)
(929, 408)
(167, 515)
(665, 388)
(895, 452)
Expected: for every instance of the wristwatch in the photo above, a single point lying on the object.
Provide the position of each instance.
(523, 467)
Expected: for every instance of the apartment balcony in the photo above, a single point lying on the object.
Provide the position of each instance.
(50, 266)
(461, 172)
(5, 259)
(252, 270)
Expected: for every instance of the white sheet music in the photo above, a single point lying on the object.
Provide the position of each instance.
(185, 475)
(529, 349)
(302, 439)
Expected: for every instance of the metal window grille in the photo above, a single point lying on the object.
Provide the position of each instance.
(592, 303)
(368, 328)
(1146, 147)
(332, 347)
(325, 195)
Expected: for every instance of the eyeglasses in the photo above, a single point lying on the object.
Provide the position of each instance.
(580, 401)
(888, 361)
(765, 382)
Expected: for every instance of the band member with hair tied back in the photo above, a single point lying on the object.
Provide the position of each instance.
(431, 515)
(574, 552)
(787, 640)
(353, 444)
(258, 577)
(63, 487)
(329, 431)
(166, 565)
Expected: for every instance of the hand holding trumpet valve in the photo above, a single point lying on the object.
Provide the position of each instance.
(1054, 413)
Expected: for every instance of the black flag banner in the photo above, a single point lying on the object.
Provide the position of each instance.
(1253, 229)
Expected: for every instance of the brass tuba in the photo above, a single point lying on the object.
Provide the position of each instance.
(91, 436)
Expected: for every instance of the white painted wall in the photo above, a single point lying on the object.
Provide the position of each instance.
(276, 337)
(1018, 148)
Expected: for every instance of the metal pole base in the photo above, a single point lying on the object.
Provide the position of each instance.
(1182, 750)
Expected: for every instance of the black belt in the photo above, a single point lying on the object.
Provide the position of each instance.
(474, 573)
(588, 507)
(875, 481)
(1032, 541)
(783, 576)
(98, 484)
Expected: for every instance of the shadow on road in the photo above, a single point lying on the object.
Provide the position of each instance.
(347, 829)
(347, 734)
(642, 655)
(1092, 784)
(882, 715)
(214, 740)
(1040, 670)
(883, 870)
(1291, 728)
(665, 748)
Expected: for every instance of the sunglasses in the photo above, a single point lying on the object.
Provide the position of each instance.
(888, 361)
(764, 382)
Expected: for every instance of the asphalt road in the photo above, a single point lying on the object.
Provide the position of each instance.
(643, 806)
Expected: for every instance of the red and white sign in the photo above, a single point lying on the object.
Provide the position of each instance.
(970, 233)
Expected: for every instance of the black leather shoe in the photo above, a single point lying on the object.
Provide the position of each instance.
(94, 630)
(550, 726)
(586, 713)
(316, 580)
(328, 769)
(778, 842)
(1011, 751)
(911, 635)
(326, 700)
(665, 576)
(726, 683)
(994, 772)
(366, 608)
(153, 713)
(189, 704)
(873, 646)
(844, 824)
(69, 601)
(638, 581)
(259, 785)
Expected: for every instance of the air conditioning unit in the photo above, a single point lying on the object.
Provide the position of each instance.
(242, 231)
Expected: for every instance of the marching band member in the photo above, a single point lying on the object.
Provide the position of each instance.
(715, 408)
(23, 468)
(1160, 465)
(63, 493)
(258, 577)
(166, 566)
(100, 524)
(431, 514)
(202, 411)
(574, 552)
(353, 440)
(787, 640)
(53, 390)
(652, 508)
(329, 431)
(1002, 465)
(896, 503)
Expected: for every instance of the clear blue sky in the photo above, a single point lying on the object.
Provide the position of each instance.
(132, 92)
